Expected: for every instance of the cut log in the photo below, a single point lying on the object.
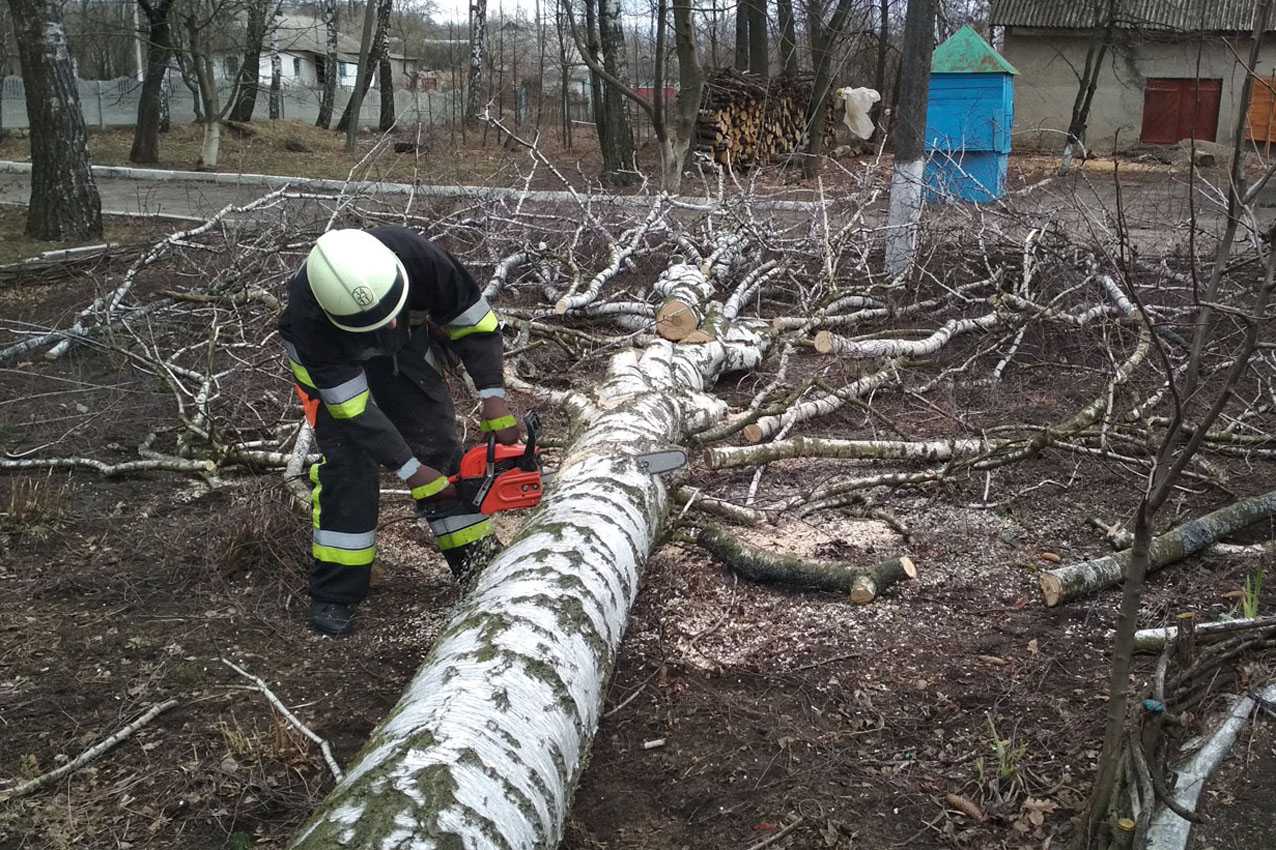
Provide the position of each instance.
(1076, 580)
(1154, 640)
(725, 457)
(490, 737)
(686, 290)
(862, 584)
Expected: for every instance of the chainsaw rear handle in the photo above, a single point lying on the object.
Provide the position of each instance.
(528, 462)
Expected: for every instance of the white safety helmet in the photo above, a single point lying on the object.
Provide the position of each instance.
(359, 282)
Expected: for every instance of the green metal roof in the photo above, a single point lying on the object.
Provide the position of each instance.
(966, 52)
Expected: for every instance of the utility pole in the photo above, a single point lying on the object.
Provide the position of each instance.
(907, 187)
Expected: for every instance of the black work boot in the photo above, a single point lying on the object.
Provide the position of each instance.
(466, 562)
(332, 618)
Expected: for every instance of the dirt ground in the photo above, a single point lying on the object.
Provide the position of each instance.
(736, 709)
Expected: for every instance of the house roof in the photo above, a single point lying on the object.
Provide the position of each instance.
(303, 34)
(966, 52)
(1165, 15)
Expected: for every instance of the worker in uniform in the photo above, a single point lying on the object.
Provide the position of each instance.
(370, 319)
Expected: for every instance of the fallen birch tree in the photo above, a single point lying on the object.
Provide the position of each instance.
(490, 737)
(1076, 580)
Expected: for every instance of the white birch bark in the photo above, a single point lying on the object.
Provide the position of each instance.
(905, 215)
(824, 404)
(488, 741)
(1168, 831)
(830, 343)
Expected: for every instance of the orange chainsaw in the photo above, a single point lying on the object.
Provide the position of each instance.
(497, 477)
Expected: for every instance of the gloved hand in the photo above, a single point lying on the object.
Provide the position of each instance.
(498, 419)
(428, 484)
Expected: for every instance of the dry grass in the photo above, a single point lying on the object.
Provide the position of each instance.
(16, 245)
(447, 158)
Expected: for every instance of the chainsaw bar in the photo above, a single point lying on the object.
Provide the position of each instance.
(652, 463)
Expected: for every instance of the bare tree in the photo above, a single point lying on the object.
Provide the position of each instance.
(741, 36)
(825, 39)
(203, 21)
(150, 104)
(64, 199)
(615, 137)
(478, 46)
(331, 66)
(249, 79)
(755, 11)
(788, 38)
(910, 136)
(1101, 39)
(276, 67)
(371, 48)
(385, 75)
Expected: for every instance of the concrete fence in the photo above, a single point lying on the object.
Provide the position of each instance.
(113, 103)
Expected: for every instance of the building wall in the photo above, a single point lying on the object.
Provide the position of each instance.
(1047, 84)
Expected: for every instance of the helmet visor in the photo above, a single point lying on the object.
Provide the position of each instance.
(378, 314)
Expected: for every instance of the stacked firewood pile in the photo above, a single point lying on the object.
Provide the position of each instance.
(746, 120)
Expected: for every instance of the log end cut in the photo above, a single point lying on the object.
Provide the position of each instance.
(752, 434)
(1051, 589)
(824, 342)
(910, 569)
(676, 320)
(863, 590)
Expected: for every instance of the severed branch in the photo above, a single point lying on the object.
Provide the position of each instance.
(862, 584)
(88, 755)
(1154, 640)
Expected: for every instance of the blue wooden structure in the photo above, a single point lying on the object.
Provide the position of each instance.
(968, 120)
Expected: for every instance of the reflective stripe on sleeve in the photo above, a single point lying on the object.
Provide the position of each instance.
(430, 488)
(492, 392)
(353, 540)
(498, 424)
(294, 363)
(477, 318)
(408, 469)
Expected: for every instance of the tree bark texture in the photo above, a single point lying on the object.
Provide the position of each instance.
(618, 155)
(927, 451)
(372, 48)
(788, 38)
(594, 47)
(276, 70)
(758, 41)
(909, 134)
(883, 44)
(824, 39)
(150, 104)
(1088, 82)
(478, 46)
(331, 66)
(490, 737)
(690, 94)
(862, 584)
(64, 202)
(249, 78)
(1076, 580)
(741, 36)
(385, 73)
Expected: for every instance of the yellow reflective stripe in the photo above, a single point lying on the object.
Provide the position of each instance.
(300, 373)
(430, 488)
(350, 408)
(314, 494)
(465, 536)
(498, 424)
(344, 557)
(485, 325)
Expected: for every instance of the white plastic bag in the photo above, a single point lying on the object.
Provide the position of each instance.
(858, 102)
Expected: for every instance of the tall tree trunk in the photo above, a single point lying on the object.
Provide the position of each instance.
(741, 36)
(385, 74)
(910, 137)
(1088, 82)
(883, 43)
(596, 85)
(759, 39)
(276, 69)
(64, 202)
(478, 46)
(788, 39)
(824, 39)
(489, 739)
(150, 103)
(166, 102)
(331, 66)
(349, 123)
(682, 129)
(249, 78)
(618, 154)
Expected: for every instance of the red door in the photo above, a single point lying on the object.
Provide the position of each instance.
(1175, 109)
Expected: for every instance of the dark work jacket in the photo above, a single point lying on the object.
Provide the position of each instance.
(327, 361)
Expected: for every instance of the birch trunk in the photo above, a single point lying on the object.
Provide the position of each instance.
(332, 66)
(1075, 580)
(478, 44)
(489, 739)
(276, 71)
(64, 199)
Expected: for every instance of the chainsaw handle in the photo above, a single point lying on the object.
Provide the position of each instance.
(528, 462)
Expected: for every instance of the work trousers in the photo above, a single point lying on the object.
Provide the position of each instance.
(345, 498)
